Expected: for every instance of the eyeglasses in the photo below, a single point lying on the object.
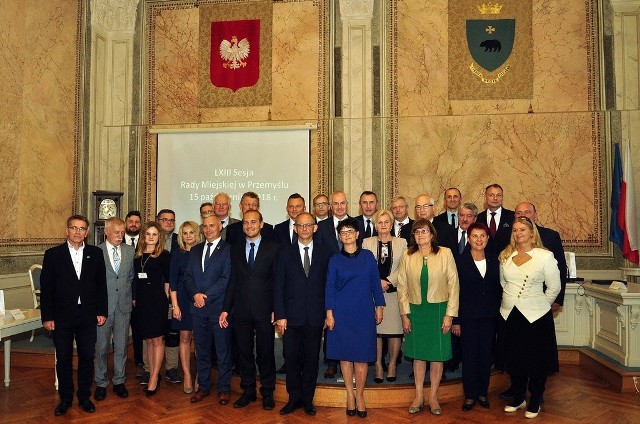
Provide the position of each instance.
(425, 206)
(304, 226)
(74, 228)
(422, 231)
(166, 220)
(347, 232)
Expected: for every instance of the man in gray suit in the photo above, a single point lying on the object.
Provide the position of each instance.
(118, 258)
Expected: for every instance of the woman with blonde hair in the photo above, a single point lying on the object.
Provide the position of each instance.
(189, 235)
(426, 268)
(530, 349)
(151, 282)
(387, 250)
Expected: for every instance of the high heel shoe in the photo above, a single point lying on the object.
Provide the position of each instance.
(484, 402)
(391, 379)
(361, 414)
(468, 404)
(351, 412)
(378, 380)
(150, 393)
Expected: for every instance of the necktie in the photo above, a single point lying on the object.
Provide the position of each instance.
(453, 220)
(461, 243)
(116, 260)
(133, 242)
(252, 255)
(492, 224)
(208, 254)
(307, 261)
(400, 224)
(367, 230)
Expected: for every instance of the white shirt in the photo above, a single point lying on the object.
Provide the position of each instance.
(301, 249)
(523, 285)
(291, 223)
(128, 238)
(398, 227)
(76, 258)
(498, 213)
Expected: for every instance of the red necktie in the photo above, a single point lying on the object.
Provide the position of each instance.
(492, 224)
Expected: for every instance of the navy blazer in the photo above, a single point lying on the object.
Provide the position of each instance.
(362, 227)
(250, 290)
(503, 229)
(405, 231)
(297, 298)
(443, 219)
(235, 232)
(551, 240)
(60, 286)
(212, 281)
(281, 233)
(479, 296)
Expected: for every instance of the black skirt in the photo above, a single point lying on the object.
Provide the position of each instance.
(530, 348)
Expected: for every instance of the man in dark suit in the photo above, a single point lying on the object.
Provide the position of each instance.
(425, 208)
(326, 235)
(167, 220)
(368, 207)
(321, 207)
(300, 278)
(221, 208)
(284, 232)
(497, 218)
(401, 222)
(452, 200)
(249, 297)
(73, 299)
(118, 259)
(250, 201)
(457, 240)
(206, 279)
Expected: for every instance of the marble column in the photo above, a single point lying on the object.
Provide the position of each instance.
(357, 97)
(110, 87)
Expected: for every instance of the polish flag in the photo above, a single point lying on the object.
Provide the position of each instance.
(627, 218)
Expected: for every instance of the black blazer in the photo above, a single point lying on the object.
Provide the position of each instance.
(250, 290)
(281, 233)
(326, 235)
(479, 296)
(442, 219)
(235, 232)
(297, 298)
(503, 229)
(60, 286)
(551, 240)
(362, 227)
(405, 231)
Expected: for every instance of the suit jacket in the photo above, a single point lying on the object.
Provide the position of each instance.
(443, 219)
(405, 231)
(443, 281)
(479, 296)
(173, 246)
(250, 290)
(362, 227)
(60, 286)
(212, 281)
(281, 233)
(503, 229)
(297, 298)
(450, 240)
(551, 240)
(223, 233)
(398, 246)
(235, 232)
(326, 235)
(120, 284)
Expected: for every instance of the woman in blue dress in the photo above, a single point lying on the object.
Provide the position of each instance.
(189, 235)
(354, 301)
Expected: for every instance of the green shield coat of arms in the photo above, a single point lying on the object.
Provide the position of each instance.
(490, 41)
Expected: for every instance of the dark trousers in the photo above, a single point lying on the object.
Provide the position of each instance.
(302, 344)
(245, 330)
(84, 332)
(135, 337)
(207, 333)
(535, 386)
(476, 340)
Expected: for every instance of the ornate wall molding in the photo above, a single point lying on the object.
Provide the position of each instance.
(114, 15)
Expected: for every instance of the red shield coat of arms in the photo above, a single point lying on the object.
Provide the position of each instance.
(235, 53)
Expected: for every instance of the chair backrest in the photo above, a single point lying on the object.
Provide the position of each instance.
(34, 277)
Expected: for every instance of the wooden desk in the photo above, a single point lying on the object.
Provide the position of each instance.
(10, 327)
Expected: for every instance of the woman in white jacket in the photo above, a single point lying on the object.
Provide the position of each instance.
(530, 347)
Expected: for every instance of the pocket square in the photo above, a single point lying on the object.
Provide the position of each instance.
(506, 225)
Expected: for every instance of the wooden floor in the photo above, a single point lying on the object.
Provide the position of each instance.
(573, 396)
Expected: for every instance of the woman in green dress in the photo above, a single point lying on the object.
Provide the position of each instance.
(428, 300)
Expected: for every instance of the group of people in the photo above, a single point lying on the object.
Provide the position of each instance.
(366, 283)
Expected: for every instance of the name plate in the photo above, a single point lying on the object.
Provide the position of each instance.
(16, 314)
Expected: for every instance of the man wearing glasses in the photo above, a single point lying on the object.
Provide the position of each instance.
(321, 210)
(73, 301)
(425, 209)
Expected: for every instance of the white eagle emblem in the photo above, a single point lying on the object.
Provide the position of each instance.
(234, 52)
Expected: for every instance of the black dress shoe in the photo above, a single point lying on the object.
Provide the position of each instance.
(244, 400)
(119, 390)
(268, 403)
(484, 402)
(310, 410)
(100, 393)
(468, 404)
(290, 407)
(87, 406)
(62, 408)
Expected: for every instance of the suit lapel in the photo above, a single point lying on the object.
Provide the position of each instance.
(214, 254)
